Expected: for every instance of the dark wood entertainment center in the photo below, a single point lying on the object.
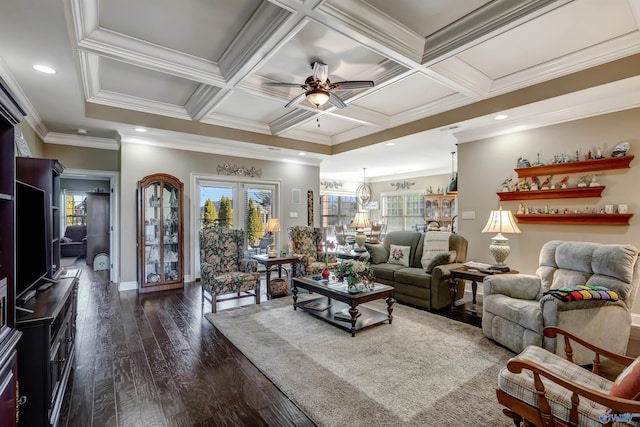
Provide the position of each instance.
(37, 340)
(10, 115)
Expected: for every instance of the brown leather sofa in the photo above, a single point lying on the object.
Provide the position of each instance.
(413, 284)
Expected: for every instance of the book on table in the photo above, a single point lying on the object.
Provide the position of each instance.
(344, 315)
(317, 305)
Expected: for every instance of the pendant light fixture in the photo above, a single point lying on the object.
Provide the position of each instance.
(363, 192)
(453, 185)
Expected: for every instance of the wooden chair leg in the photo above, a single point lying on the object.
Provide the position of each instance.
(213, 302)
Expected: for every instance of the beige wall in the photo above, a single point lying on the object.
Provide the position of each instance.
(485, 164)
(141, 160)
(83, 158)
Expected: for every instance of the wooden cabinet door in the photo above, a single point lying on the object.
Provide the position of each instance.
(8, 384)
(97, 225)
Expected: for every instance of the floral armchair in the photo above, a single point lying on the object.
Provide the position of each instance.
(304, 242)
(223, 268)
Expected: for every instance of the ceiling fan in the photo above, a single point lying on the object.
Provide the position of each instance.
(318, 88)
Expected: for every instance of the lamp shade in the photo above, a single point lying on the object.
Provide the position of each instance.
(359, 223)
(361, 220)
(317, 97)
(501, 222)
(273, 224)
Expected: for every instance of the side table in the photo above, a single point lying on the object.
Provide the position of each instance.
(474, 276)
(273, 262)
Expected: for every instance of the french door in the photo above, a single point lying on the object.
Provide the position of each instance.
(245, 205)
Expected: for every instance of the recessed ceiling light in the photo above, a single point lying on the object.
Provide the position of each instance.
(390, 144)
(82, 131)
(140, 130)
(302, 154)
(44, 69)
(500, 117)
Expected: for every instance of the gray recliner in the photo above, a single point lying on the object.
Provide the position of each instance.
(515, 309)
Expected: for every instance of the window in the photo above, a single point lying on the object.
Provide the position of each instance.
(244, 205)
(75, 208)
(402, 211)
(336, 209)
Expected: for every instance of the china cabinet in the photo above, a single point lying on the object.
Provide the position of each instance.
(439, 207)
(160, 233)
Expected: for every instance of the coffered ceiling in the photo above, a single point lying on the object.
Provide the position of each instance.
(192, 73)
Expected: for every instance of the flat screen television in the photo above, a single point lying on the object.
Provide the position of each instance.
(31, 238)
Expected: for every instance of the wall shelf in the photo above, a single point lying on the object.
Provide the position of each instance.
(593, 165)
(562, 193)
(575, 218)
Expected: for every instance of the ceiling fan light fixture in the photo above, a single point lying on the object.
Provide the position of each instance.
(317, 97)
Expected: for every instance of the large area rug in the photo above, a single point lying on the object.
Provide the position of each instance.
(423, 370)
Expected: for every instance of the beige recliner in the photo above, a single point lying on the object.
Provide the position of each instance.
(516, 310)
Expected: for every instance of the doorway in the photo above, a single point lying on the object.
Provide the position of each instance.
(97, 192)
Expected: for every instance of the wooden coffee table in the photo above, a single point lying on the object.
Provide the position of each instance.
(340, 302)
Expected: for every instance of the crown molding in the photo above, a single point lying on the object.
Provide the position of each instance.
(81, 141)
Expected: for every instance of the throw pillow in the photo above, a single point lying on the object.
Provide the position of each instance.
(627, 385)
(399, 255)
(377, 252)
(439, 259)
(66, 240)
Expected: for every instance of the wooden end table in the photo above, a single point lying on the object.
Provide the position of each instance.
(278, 261)
(474, 276)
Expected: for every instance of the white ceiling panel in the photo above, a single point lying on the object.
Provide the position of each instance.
(250, 107)
(425, 18)
(201, 28)
(552, 36)
(122, 78)
(411, 92)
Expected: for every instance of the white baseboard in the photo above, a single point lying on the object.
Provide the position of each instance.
(127, 286)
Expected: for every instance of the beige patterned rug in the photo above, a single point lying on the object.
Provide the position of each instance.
(423, 370)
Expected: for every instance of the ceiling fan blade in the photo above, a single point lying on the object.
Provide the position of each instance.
(320, 72)
(352, 84)
(298, 99)
(336, 101)
(278, 84)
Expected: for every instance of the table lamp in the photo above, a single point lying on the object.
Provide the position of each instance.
(359, 223)
(273, 225)
(501, 222)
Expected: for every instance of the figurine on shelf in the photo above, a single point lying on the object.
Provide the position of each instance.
(520, 208)
(506, 185)
(564, 182)
(545, 183)
(594, 181)
(523, 185)
(582, 182)
(599, 153)
(620, 149)
(535, 183)
(523, 162)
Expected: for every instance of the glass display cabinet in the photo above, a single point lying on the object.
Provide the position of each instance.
(160, 233)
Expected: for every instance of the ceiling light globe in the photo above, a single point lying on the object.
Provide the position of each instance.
(317, 97)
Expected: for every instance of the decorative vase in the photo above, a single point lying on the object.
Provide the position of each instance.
(325, 273)
(351, 283)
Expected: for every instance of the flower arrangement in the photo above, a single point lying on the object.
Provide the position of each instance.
(397, 254)
(354, 272)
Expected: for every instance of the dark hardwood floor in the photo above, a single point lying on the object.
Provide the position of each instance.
(154, 360)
